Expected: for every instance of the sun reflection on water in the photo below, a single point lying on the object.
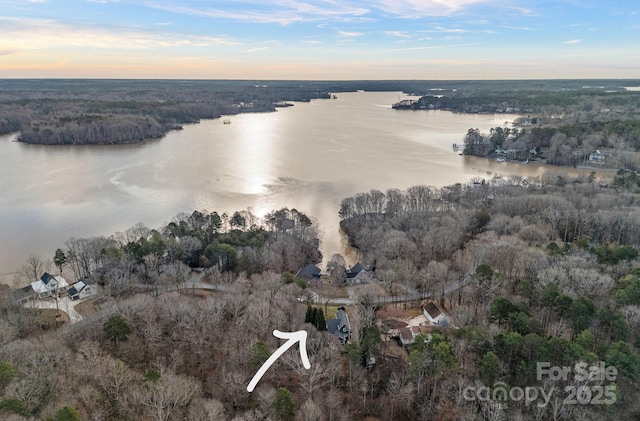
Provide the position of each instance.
(255, 152)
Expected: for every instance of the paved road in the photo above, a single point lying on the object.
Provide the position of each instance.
(453, 286)
(68, 306)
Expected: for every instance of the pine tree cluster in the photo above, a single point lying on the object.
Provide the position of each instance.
(315, 316)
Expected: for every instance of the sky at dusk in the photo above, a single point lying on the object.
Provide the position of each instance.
(320, 39)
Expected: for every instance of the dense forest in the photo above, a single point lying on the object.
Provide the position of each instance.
(170, 357)
(576, 100)
(599, 145)
(596, 124)
(531, 271)
(114, 112)
(89, 111)
(538, 270)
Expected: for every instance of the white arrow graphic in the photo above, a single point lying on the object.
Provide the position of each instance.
(293, 337)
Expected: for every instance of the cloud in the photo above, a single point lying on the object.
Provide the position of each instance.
(426, 47)
(253, 50)
(524, 11)
(455, 31)
(282, 12)
(401, 34)
(422, 8)
(573, 41)
(479, 22)
(350, 34)
(518, 28)
(438, 29)
(33, 34)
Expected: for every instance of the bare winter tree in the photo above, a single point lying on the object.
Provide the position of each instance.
(336, 266)
(115, 380)
(206, 410)
(311, 411)
(34, 267)
(168, 397)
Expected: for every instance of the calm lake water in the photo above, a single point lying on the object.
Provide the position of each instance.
(308, 157)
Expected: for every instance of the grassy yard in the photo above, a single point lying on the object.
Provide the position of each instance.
(330, 312)
(89, 307)
(47, 318)
(327, 289)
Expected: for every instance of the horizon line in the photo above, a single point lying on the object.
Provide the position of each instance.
(318, 80)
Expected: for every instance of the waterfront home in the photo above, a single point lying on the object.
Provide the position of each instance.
(82, 289)
(358, 275)
(309, 273)
(49, 285)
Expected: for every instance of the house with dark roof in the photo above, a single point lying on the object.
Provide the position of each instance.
(435, 314)
(49, 285)
(340, 327)
(309, 273)
(355, 270)
(23, 295)
(358, 274)
(84, 288)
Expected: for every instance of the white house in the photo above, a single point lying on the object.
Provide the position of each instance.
(435, 314)
(49, 285)
(83, 288)
(597, 157)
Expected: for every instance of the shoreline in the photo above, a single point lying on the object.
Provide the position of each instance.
(550, 166)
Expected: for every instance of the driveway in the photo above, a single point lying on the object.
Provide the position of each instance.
(65, 304)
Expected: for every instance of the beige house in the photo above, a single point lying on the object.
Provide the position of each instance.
(408, 335)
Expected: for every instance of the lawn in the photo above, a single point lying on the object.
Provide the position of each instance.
(47, 318)
(328, 289)
(91, 306)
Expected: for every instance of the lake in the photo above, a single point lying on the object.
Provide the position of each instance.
(309, 157)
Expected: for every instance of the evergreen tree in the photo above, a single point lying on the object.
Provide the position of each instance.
(490, 367)
(320, 323)
(308, 317)
(59, 259)
(283, 405)
(7, 374)
(117, 329)
(68, 414)
(260, 354)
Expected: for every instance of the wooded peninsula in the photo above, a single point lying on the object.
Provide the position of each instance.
(70, 111)
(595, 124)
(486, 300)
